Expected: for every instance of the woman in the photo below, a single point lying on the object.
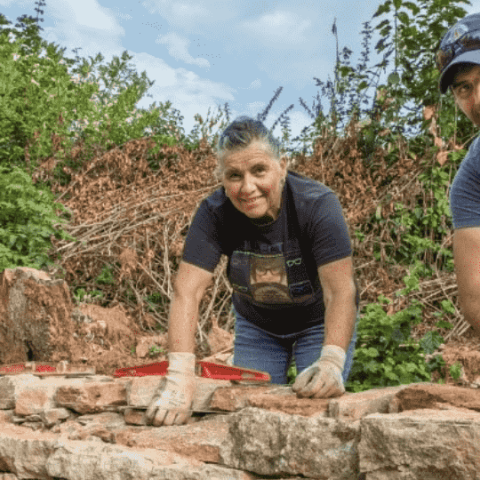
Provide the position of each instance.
(290, 267)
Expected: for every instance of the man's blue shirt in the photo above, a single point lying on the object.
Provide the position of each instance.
(465, 190)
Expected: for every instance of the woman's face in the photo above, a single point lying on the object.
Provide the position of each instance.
(252, 182)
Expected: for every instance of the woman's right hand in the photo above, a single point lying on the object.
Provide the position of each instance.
(173, 402)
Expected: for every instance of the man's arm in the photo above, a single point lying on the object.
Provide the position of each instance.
(466, 254)
(337, 279)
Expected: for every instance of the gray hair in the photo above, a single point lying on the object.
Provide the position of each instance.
(239, 135)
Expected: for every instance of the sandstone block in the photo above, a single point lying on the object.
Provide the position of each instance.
(77, 460)
(357, 405)
(37, 309)
(6, 416)
(25, 452)
(142, 390)
(424, 444)
(430, 396)
(204, 472)
(94, 397)
(8, 476)
(135, 416)
(54, 416)
(36, 400)
(200, 440)
(108, 420)
(269, 443)
(231, 399)
(12, 385)
(268, 397)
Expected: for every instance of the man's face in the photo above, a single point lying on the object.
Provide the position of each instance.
(466, 90)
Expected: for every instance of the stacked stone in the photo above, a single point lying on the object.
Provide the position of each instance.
(94, 427)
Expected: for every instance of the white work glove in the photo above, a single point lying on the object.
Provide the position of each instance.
(323, 379)
(173, 401)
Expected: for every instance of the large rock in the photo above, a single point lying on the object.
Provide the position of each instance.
(29, 392)
(435, 396)
(42, 456)
(91, 397)
(268, 397)
(357, 405)
(34, 309)
(270, 443)
(421, 444)
(201, 440)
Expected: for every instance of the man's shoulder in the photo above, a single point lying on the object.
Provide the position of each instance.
(473, 154)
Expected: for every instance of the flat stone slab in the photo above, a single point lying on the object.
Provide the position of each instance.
(431, 396)
(357, 405)
(201, 440)
(269, 397)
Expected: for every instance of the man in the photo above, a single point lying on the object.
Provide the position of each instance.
(458, 60)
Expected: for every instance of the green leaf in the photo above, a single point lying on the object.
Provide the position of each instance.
(384, 8)
(394, 78)
(430, 342)
(403, 18)
(412, 7)
(397, 4)
(444, 324)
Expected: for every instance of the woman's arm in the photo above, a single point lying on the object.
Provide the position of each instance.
(189, 287)
(339, 290)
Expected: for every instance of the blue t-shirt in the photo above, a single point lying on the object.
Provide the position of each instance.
(465, 190)
(273, 268)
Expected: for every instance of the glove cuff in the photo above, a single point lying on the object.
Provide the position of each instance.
(334, 354)
(181, 363)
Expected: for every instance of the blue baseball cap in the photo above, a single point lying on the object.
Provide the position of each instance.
(461, 44)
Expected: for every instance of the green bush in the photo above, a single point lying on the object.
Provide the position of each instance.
(27, 218)
(385, 353)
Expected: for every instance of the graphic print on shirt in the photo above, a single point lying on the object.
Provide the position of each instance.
(268, 278)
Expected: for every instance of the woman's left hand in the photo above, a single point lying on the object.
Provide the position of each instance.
(323, 379)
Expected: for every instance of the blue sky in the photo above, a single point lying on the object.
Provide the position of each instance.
(203, 53)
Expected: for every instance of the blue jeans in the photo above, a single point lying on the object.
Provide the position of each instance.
(260, 350)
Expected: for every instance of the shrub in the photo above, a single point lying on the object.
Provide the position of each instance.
(27, 217)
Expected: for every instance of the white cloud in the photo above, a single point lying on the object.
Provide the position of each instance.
(85, 14)
(187, 91)
(280, 27)
(193, 16)
(256, 84)
(18, 3)
(178, 48)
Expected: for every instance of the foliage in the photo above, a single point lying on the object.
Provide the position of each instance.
(43, 104)
(411, 31)
(27, 218)
(38, 91)
(292, 372)
(385, 353)
(456, 370)
(155, 350)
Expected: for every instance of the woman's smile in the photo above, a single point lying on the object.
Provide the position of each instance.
(252, 181)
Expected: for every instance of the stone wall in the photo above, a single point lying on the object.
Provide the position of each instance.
(93, 427)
